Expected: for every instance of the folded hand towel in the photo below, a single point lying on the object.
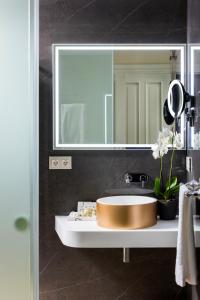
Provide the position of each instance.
(185, 270)
(72, 123)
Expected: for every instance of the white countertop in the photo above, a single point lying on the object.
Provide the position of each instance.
(87, 234)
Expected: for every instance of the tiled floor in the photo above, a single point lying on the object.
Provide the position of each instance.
(99, 274)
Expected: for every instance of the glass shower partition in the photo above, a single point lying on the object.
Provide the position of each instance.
(19, 161)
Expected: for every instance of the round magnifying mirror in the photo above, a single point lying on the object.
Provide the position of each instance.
(175, 98)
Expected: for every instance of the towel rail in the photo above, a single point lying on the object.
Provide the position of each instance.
(194, 194)
(193, 189)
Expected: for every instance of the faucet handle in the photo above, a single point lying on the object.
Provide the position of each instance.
(144, 178)
(128, 178)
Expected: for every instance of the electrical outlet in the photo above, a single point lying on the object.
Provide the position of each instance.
(60, 162)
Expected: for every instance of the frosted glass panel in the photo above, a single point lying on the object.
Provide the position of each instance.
(15, 133)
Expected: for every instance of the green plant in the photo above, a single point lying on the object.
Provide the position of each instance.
(166, 190)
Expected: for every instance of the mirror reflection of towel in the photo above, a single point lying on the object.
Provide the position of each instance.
(72, 123)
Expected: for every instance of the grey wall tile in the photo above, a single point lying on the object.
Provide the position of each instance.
(74, 274)
(193, 23)
(193, 36)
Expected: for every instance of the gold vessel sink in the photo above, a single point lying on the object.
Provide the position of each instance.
(126, 212)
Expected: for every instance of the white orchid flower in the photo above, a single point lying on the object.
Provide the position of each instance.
(177, 144)
(161, 147)
(166, 138)
(167, 133)
(156, 151)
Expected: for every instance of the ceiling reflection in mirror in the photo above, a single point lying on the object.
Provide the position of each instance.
(112, 96)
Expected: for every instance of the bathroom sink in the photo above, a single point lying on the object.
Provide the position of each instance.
(126, 212)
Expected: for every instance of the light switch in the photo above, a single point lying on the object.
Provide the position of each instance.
(60, 162)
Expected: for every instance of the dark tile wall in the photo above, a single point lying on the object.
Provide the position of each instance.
(196, 153)
(193, 36)
(193, 24)
(67, 273)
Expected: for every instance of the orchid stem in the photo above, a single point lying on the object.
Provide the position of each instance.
(161, 175)
(171, 161)
(171, 165)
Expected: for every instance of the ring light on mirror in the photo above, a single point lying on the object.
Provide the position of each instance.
(170, 98)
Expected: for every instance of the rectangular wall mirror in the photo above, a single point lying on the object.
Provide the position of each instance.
(112, 96)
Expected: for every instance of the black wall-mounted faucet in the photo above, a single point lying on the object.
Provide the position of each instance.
(136, 177)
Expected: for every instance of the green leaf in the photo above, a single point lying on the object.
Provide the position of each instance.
(157, 186)
(170, 192)
(166, 194)
(171, 184)
(175, 189)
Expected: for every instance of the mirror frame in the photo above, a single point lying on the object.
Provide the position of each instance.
(55, 55)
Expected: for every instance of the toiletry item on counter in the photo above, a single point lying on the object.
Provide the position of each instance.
(83, 214)
(75, 216)
(88, 212)
(83, 205)
(185, 270)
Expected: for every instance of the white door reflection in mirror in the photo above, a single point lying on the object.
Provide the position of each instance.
(140, 92)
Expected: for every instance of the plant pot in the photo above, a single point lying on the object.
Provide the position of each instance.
(167, 210)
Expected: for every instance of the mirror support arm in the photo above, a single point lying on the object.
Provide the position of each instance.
(190, 109)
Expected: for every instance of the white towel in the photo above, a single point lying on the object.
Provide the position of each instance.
(185, 270)
(72, 123)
